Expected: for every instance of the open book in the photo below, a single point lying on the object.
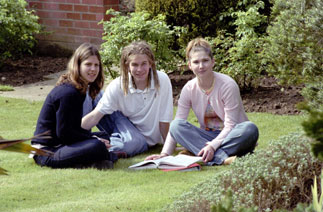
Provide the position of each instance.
(171, 163)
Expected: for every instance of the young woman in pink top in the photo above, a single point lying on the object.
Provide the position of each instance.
(225, 131)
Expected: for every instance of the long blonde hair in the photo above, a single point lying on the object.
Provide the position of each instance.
(137, 47)
(73, 75)
(198, 44)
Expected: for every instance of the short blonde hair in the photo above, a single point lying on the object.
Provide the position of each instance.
(198, 44)
(135, 48)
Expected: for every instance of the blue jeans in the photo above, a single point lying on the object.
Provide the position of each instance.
(241, 140)
(81, 153)
(124, 136)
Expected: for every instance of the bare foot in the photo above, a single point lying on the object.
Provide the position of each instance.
(229, 160)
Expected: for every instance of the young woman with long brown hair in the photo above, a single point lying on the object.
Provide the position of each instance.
(61, 115)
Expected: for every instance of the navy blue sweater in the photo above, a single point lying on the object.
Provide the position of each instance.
(61, 114)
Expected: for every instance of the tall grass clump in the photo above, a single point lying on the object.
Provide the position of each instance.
(278, 177)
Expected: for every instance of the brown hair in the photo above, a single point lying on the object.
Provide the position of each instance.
(73, 76)
(198, 44)
(137, 47)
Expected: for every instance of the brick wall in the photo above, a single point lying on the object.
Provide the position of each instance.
(72, 22)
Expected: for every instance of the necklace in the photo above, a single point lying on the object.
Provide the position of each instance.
(209, 90)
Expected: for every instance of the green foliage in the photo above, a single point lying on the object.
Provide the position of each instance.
(199, 16)
(17, 29)
(294, 43)
(273, 178)
(203, 18)
(230, 7)
(122, 30)
(313, 94)
(313, 126)
(6, 88)
(226, 205)
(317, 199)
(239, 55)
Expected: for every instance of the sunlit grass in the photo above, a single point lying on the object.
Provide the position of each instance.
(6, 88)
(29, 187)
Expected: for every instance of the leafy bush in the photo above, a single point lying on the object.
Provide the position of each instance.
(122, 30)
(17, 29)
(313, 95)
(278, 177)
(203, 18)
(239, 55)
(313, 126)
(294, 50)
(199, 16)
(294, 43)
(226, 205)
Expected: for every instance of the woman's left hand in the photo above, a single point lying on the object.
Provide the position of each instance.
(207, 153)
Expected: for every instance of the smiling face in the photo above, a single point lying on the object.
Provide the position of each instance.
(89, 69)
(139, 67)
(201, 63)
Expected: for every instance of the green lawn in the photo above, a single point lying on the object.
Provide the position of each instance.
(6, 88)
(29, 187)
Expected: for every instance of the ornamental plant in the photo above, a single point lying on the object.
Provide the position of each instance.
(199, 16)
(18, 27)
(294, 50)
(294, 46)
(317, 199)
(238, 55)
(313, 128)
(278, 177)
(120, 31)
(203, 18)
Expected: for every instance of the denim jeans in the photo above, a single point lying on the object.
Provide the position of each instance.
(241, 140)
(80, 153)
(124, 136)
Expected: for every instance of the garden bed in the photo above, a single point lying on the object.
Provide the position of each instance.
(268, 97)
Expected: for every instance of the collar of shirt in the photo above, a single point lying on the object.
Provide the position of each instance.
(132, 89)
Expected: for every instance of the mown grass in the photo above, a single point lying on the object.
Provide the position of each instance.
(29, 187)
(6, 88)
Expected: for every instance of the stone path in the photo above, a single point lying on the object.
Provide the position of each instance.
(35, 91)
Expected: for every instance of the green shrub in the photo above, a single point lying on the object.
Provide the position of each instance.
(203, 18)
(278, 177)
(293, 51)
(17, 29)
(238, 55)
(294, 44)
(226, 205)
(313, 95)
(313, 126)
(122, 30)
(199, 16)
